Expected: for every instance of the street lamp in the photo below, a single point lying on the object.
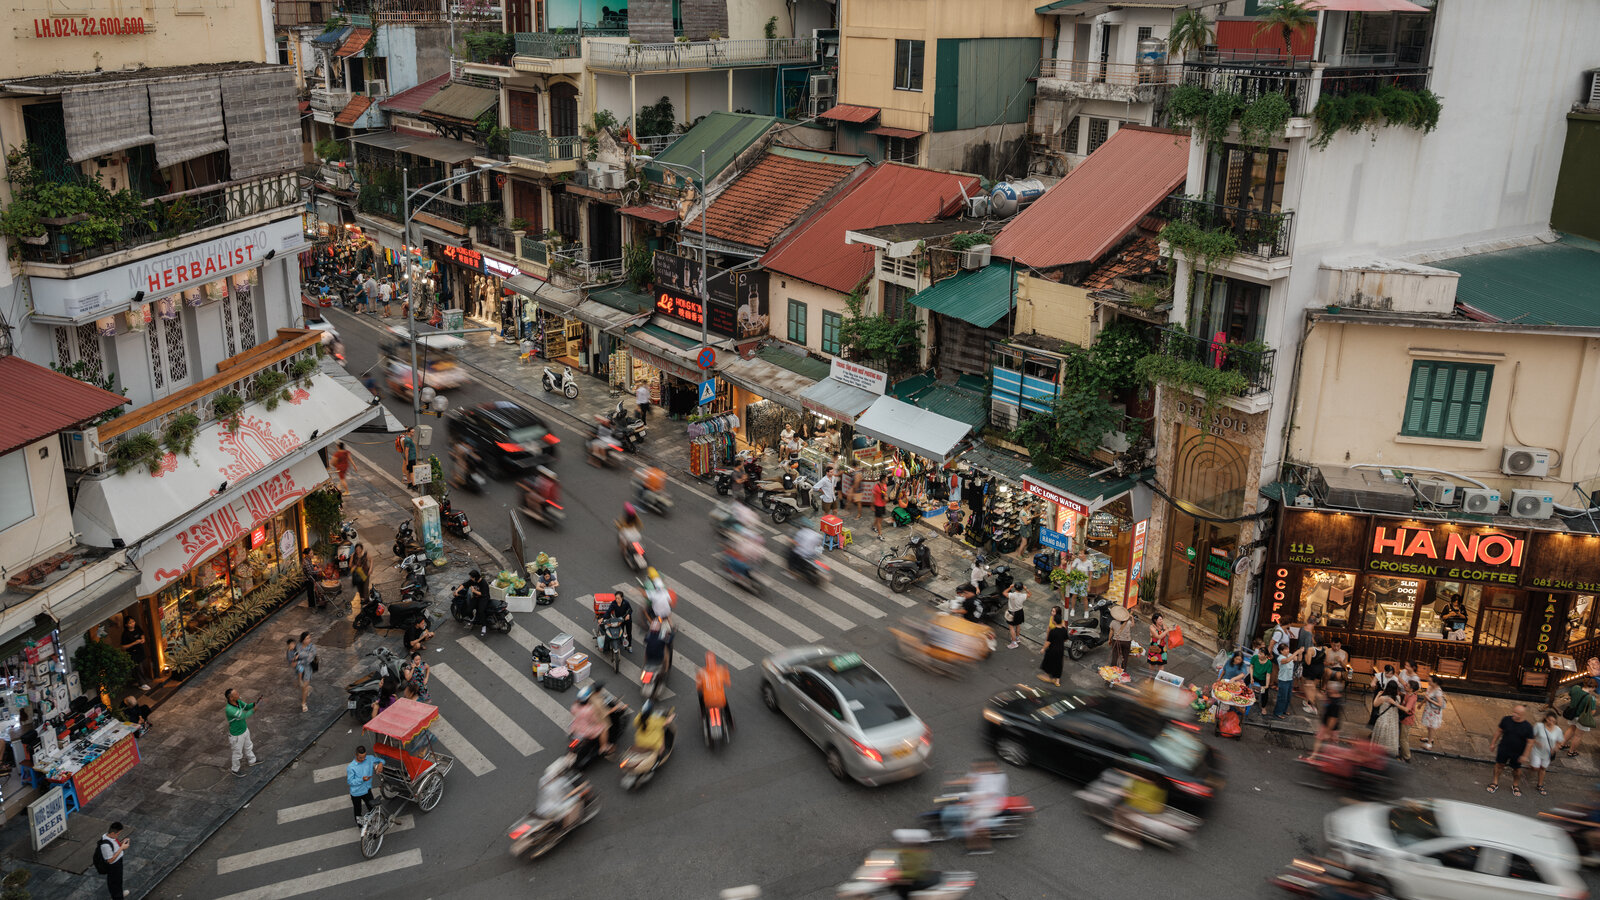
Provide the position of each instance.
(443, 185)
(705, 207)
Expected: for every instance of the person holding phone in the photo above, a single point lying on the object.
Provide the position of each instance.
(238, 714)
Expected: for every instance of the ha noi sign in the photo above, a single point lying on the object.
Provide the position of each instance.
(1448, 551)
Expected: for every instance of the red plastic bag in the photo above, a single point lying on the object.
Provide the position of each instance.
(1174, 637)
(1228, 724)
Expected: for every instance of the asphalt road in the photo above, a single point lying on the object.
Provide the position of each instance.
(764, 811)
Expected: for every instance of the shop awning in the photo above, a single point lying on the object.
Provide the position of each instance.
(665, 350)
(1372, 6)
(775, 383)
(980, 297)
(845, 112)
(1085, 491)
(902, 133)
(651, 213)
(560, 301)
(836, 400)
(926, 434)
(222, 467)
(605, 316)
(96, 602)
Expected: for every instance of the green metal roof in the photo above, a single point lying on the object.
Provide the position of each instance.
(666, 336)
(623, 299)
(981, 297)
(814, 369)
(461, 101)
(1543, 284)
(1071, 478)
(958, 402)
(723, 135)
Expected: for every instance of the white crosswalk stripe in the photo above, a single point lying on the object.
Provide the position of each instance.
(799, 630)
(319, 881)
(457, 746)
(748, 632)
(730, 657)
(831, 590)
(489, 712)
(314, 808)
(328, 773)
(279, 852)
(872, 583)
(520, 680)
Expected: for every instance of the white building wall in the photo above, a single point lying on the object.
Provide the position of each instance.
(50, 527)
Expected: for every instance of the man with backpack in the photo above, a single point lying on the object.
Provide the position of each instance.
(108, 859)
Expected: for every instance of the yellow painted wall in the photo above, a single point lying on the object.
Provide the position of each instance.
(869, 30)
(818, 299)
(178, 32)
(1545, 393)
(1054, 309)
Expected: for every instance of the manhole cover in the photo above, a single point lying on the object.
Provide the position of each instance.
(200, 778)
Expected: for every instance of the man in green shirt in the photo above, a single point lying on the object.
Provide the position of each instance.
(239, 713)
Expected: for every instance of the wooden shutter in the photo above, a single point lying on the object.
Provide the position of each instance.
(527, 203)
(524, 111)
(1447, 400)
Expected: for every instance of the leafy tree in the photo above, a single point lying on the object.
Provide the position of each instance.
(102, 666)
(886, 341)
(86, 374)
(1116, 351)
(1190, 32)
(657, 118)
(1079, 417)
(1286, 17)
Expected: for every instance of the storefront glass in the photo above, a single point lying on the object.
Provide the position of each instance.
(1579, 612)
(1328, 594)
(1389, 604)
(193, 604)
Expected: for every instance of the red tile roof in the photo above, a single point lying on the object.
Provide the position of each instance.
(410, 100)
(889, 194)
(653, 214)
(844, 112)
(760, 205)
(1092, 209)
(40, 402)
(352, 111)
(354, 42)
(1139, 257)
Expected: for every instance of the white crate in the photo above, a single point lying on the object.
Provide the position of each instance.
(520, 604)
(561, 645)
(579, 665)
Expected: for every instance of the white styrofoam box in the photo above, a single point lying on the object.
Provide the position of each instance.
(579, 664)
(518, 604)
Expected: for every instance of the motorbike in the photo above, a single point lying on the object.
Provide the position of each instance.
(638, 769)
(605, 452)
(563, 384)
(715, 726)
(814, 572)
(874, 879)
(1170, 828)
(722, 479)
(1355, 768)
(545, 512)
(469, 476)
(346, 540)
(463, 608)
(583, 751)
(1043, 564)
(400, 614)
(405, 540)
(363, 692)
(610, 634)
(454, 520)
(633, 555)
(902, 571)
(653, 677)
(1324, 879)
(1088, 633)
(1585, 832)
(657, 502)
(782, 502)
(415, 568)
(1013, 817)
(630, 430)
(741, 573)
(534, 835)
(752, 480)
(992, 592)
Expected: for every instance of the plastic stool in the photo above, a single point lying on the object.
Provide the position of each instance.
(30, 776)
(846, 538)
(70, 794)
(831, 542)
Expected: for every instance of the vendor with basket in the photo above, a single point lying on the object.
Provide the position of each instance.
(1232, 694)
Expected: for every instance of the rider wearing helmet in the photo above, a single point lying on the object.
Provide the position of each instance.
(589, 718)
(602, 438)
(648, 481)
(620, 608)
(911, 853)
(629, 528)
(655, 591)
(711, 683)
(540, 491)
(650, 731)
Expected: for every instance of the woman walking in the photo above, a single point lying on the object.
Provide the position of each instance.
(299, 658)
(1432, 712)
(1386, 729)
(1156, 654)
(1016, 596)
(1055, 647)
(1547, 736)
(360, 572)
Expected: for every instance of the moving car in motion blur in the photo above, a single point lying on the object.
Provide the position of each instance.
(864, 728)
(510, 438)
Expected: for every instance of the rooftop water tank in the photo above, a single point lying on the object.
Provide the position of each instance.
(1010, 196)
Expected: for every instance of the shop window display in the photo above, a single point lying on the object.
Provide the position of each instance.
(1390, 604)
(1578, 616)
(196, 609)
(1453, 613)
(1326, 594)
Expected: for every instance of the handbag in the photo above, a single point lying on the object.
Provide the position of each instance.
(314, 666)
(1175, 637)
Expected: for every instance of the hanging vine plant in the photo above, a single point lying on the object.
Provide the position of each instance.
(301, 370)
(1264, 121)
(268, 389)
(1208, 248)
(1210, 113)
(136, 449)
(180, 433)
(1392, 105)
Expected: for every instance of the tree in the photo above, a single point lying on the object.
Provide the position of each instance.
(103, 667)
(1287, 17)
(1190, 32)
(657, 118)
(890, 343)
(1079, 417)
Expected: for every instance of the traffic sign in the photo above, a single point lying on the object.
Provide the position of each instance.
(708, 390)
(707, 358)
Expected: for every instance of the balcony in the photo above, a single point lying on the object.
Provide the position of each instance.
(1250, 364)
(328, 102)
(1089, 80)
(534, 249)
(168, 217)
(573, 266)
(544, 154)
(1301, 85)
(691, 55)
(1260, 234)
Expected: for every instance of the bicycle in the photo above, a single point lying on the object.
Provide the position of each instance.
(377, 822)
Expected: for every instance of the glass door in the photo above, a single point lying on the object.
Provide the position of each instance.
(1199, 577)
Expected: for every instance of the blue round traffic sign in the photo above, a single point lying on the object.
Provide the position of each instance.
(707, 358)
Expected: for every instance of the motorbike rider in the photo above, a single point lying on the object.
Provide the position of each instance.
(650, 733)
(601, 441)
(648, 481)
(560, 795)
(541, 490)
(590, 719)
(711, 684)
(806, 550)
(620, 608)
(657, 595)
(913, 873)
(629, 529)
(464, 462)
(1141, 798)
(476, 588)
(658, 643)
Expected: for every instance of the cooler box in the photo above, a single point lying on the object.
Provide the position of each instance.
(562, 658)
(578, 664)
(561, 646)
(832, 525)
(601, 601)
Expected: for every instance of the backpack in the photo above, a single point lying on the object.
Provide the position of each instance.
(100, 864)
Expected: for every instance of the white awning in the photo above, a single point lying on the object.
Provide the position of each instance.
(137, 507)
(833, 398)
(926, 434)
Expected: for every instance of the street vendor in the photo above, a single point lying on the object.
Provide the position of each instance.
(1235, 669)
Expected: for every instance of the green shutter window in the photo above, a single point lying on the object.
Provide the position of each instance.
(830, 332)
(797, 322)
(1447, 400)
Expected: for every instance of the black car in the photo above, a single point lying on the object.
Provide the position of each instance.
(510, 438)
(1080, 735)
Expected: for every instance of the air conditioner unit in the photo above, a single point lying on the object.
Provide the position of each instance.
(613, 180)
(1532, 505)
(378, 87)
(819, 104)
(824, 83)
(1437, 491)
(1479, 501)
(1002, 414)
(82, 448)
(1531, 462)
(978, 207)
(976, 257)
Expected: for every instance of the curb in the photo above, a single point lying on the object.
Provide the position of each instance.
(398, 485)
(1415, 751)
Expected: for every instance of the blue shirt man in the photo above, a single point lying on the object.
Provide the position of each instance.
(359, 776)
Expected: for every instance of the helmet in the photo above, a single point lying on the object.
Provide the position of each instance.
(651, 574)
(648, 709)
(711, 659)
(585, 692)
(628, 510)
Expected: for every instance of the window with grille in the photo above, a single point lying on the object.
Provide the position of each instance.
(893, 301)
(1069, 142)
(797, 322)
(1447, 400)
(908, 65)
(831, 322)
(901, 150)
(1099, 131)
(1144, 32)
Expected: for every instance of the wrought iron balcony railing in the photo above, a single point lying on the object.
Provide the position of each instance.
(700, 54)
(1253, 361)
(537, 145)
(1260, 233)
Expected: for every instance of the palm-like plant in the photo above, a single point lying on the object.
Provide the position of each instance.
(1190, 32)
(1287, 17)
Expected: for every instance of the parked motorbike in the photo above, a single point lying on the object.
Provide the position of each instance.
(346, 540)
(463, 608)
(363, 692)
(629, 429)
(563, 384)
(534, 835)
(1169, 828)
(415, 568)
(405, 540)
(722, 480)
(992, 590)
(455, 520)
(782, 502)
(638, 768)
(1013, 817)
(1088, 633)
(400, 614)
(1043, 564)
(902, 571)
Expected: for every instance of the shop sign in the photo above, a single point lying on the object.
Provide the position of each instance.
(258, 536)
(87, 26)
(1315, 538)
(1059, 499)
(461, 256)
(1136, 561)
(42, 649)
(47, 817)
(674, 369)
(1055, 540)
(496, 267)
(1220, 423)
(1540, 659)
(858, 376)
(106, 769)
(737, 299)
(288, 543)
(1563, 562)
(1280, 593)
(1445, 550)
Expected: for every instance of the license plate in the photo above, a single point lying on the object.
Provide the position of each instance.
(902, 752)
(351, 704)
(466, 529)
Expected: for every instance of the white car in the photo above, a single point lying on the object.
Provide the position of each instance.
(1448, 850)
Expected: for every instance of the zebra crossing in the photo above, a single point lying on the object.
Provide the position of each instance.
(520, 734)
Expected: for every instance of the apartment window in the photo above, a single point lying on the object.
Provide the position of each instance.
(1233, 311)
(1447, 400)
(892, 301)
(564, 209)
(16, 494)
(1247, 179)
(1069, 142)
(908, 65)
(831, 321)
(901, 150)
(1144, 33)
(1099, 131)
(797, 322)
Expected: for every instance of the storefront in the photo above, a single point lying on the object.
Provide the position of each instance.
(1477, 603)
(547, 317)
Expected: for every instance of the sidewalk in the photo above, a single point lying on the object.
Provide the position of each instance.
(181, 792)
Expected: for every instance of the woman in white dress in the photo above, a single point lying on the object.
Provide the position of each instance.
(1432, 712)
(1547, 735)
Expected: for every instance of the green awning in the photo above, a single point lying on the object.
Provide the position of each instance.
(461, 102)
(1282, 491)
(951, 401)
(1541, 284)
(980, 297)
(722, 135)
(814, 369)
(623, 299)
(1074, 479)
(667, 336)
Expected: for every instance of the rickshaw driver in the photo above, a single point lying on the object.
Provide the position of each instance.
(358, 775)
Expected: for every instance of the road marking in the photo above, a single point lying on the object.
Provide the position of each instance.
(630, 669)
(462, 749)
(489, 712)
(314, 808)
(730, 657)
(766, 609)
(520, 680)
(833, 618)
(329, 773)
(873, 583)
(351, 835)
(747, 631)
(305, 884)
(834, 591)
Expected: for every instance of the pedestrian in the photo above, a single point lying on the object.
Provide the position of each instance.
(1547, 735)
(417, 674)
(1432, 712)
(1121, 635)
(1285, 661)
(1156, 653)
(305, 666)
(1409, 679)
(133, 643)
(238, 714)
(1511, 746)
(641, 398)
(847, 491)
(341, 466)
(880, 502)
(787, 445)
(308, 567)
(406, 446)
(1332, 716)
(1078, 588)
(858, 492)
(1386, 722)
(1260, 673)
(1382, 679)
(360, 572)
(108, 859)
(1408, 718)
(825, 487)
(1016, 598)
(1581, 704)
(1313, 664)
(359, 775)
(369, 289)
(1055, 647)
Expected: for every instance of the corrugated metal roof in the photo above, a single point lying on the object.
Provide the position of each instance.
(889, 193)
(768, 380)
(723, 135)
(757, 208)
(623, 299)
(650, 213)
(1099, 202)
(948, 400)
(814, 369)
(40, 402)
(837, 400)
(886, 131)
(462, 102)
(1071, 478)
(1543, 284)
(981, 297)
(352, 111)
(445, 150)
(412, 99)
(845, 112)
(354, 43)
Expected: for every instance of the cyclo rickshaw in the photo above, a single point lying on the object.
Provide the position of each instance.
(946, 644)
(413, 770)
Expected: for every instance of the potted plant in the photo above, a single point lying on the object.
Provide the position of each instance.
(104, 667)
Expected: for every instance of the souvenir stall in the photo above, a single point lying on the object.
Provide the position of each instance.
(557, 339)
(713, 443)
(1106, 526)
(895, 440)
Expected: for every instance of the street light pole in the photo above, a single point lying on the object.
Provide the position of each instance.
(705, 210)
